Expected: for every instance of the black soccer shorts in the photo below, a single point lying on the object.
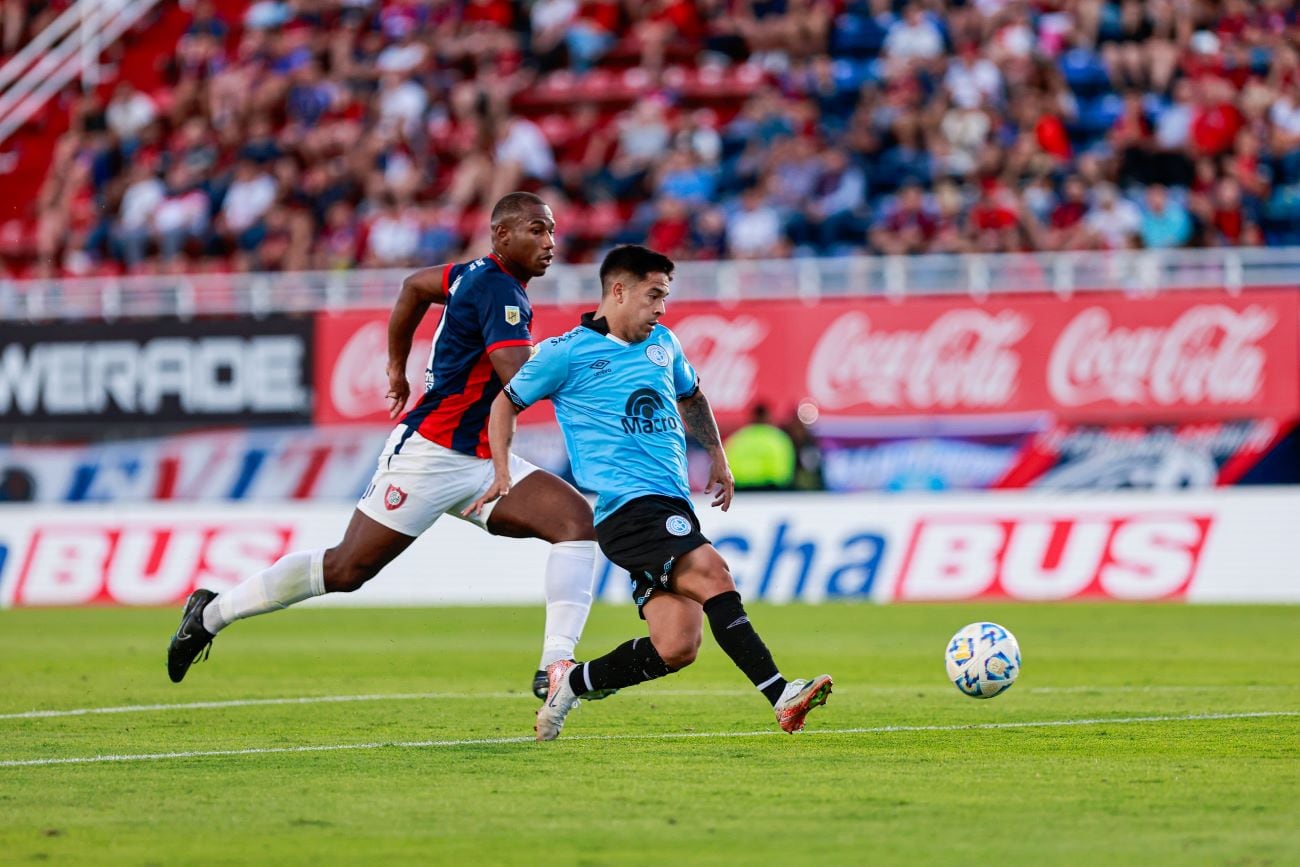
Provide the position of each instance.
(645, 537)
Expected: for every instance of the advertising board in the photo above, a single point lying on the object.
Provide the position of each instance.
(1236, 545)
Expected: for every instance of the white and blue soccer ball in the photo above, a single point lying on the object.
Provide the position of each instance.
(983, 659)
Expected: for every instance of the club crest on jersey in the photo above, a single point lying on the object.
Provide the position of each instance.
(394, 497)
(677, 525)
(657, 354)
(512, 315)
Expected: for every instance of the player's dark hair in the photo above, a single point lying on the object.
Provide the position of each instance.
(512, 206)
(640, 262)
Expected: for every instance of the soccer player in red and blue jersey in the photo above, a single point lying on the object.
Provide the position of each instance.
(437, 460)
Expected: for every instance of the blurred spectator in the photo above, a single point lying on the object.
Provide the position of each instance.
(1229, 223)
(907, 227)
(832, 220)
(761, 455)
(591, 33)
(913, 38)
(1216, 119)
(129, 112)
(1113, 221)
(249, 197)
(670, 232)
(131, 232)
(1164, 223)
(754, 230)
(808, 473)
(971, 80)
(394, 236)
(907, 126)
(708, 236)
(182, 216)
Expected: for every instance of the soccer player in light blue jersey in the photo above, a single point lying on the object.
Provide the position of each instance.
(625, 396)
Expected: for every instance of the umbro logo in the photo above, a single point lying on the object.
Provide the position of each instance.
(600, 365)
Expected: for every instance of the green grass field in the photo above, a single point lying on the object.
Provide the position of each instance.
(1138, 735)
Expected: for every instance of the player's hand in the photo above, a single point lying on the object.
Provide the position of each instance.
(399, 390)
(499, 488)
(721, 484)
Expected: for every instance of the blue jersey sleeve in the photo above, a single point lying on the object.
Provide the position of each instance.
(542, 375)
(503, 313)
(686, 382)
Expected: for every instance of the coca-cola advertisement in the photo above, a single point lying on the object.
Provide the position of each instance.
(351, 357)
(1094, 359)
(1101, 359)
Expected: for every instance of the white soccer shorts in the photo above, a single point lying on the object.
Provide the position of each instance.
(413, 487)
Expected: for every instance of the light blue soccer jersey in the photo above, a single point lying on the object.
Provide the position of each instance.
(617, 406)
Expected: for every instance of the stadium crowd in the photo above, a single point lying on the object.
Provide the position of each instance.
(322, 134)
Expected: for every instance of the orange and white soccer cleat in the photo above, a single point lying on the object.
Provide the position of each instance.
(799, 697)
(560, 699)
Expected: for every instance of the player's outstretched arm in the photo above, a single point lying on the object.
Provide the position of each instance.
(419, 290)
(501, 435)
(698, 418)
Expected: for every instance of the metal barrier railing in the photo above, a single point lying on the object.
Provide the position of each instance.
(1138, 272)
(69, 47)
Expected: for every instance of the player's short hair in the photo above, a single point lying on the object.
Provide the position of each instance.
(512, 206)
(635, 260)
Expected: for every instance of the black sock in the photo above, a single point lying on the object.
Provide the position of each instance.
(630, 663)
(735, 635)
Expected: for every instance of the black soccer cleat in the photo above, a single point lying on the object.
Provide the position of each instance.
(541, 686)
(191, 638)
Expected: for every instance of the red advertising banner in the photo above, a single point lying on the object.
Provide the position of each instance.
(1105, 359)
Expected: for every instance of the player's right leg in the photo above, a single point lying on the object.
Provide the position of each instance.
(367, 547)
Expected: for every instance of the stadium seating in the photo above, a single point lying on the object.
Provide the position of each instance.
(411, 115)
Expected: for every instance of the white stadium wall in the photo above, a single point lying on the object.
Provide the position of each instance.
(1238, 545)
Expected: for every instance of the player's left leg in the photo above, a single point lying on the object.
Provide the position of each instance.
(703, 575)
(543, 506)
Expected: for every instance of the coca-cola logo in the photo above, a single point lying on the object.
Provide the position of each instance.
(1208, 355)
(359, 382)
(722, 352)
(964, 358)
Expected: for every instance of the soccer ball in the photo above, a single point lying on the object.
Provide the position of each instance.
(983, 659)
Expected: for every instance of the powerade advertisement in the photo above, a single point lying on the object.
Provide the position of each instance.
(87, 377)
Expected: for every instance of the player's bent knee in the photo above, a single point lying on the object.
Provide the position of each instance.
(572, 529)
(678, 658)
(345, 577)
(678, 653)
(716, 579)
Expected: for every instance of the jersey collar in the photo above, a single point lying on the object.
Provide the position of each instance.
(523, 284)
(601, 326)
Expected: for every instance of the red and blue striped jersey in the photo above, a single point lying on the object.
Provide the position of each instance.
(486, 309)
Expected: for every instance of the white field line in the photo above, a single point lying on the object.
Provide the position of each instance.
(664, 736)
(666, 693)
(320, 699)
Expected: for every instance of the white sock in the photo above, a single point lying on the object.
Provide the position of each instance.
(570, 573)
(292, 578)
